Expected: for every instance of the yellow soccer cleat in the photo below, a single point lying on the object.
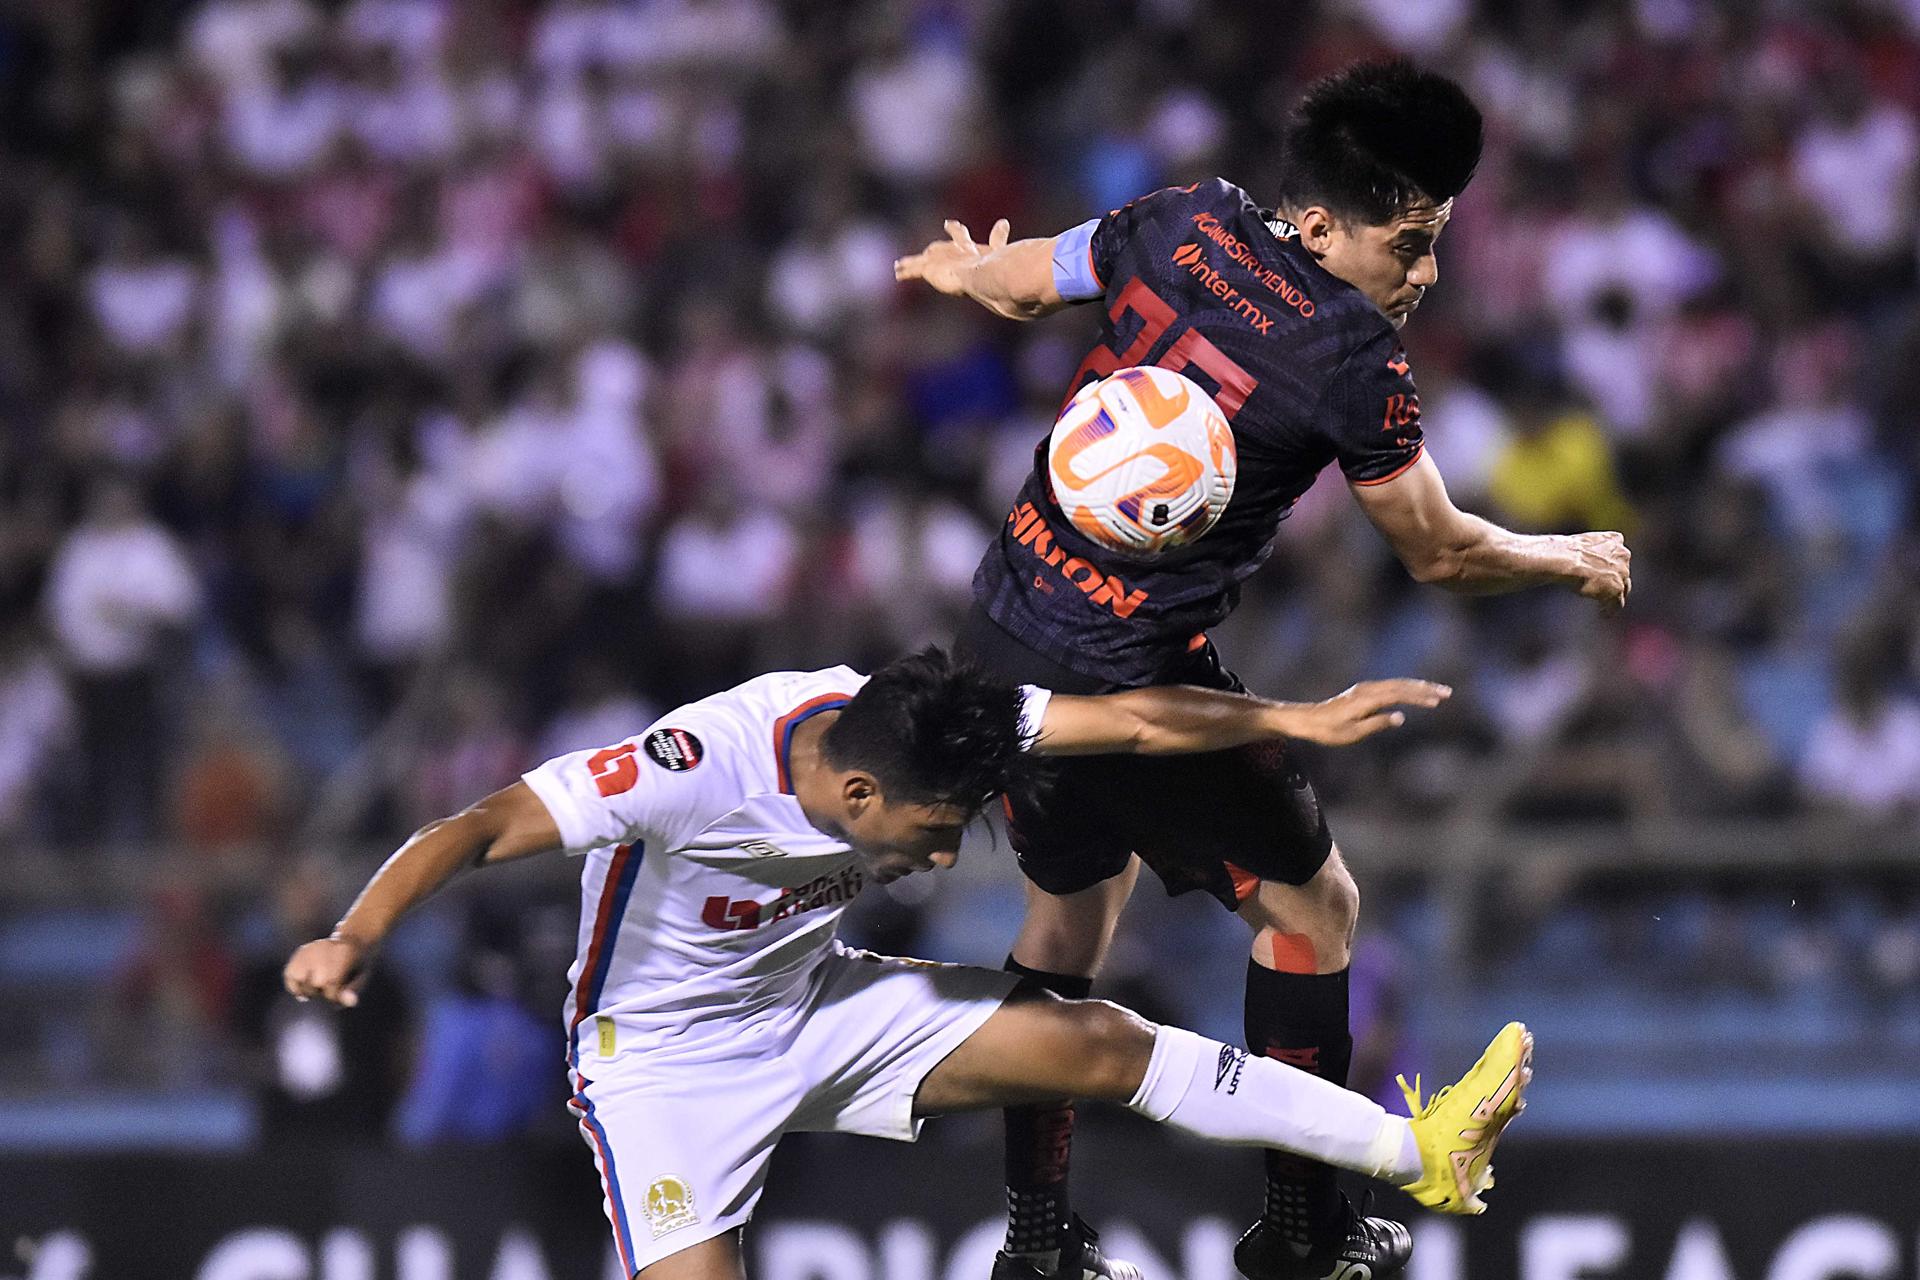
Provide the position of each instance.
(1458, 1126)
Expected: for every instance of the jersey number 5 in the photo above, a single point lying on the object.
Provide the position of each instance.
(614, 770)
(1190, 350)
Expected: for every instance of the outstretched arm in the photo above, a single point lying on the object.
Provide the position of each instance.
(1442, 544)
(510, 823)
(1014, 280)
(1173, 719)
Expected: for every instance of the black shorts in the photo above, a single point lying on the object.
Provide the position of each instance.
(1221, 821)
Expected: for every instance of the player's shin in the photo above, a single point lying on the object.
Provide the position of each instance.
(1039, 1142)
(1300, 1017)
(1220, 1092)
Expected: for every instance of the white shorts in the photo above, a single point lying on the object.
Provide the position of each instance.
(683, 1146)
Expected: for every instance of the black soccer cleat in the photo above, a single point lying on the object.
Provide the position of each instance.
(1371, 1249)
(1080, 1259)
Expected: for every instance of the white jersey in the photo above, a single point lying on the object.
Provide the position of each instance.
(706, 895)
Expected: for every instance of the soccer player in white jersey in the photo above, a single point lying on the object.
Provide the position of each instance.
(712, 1011)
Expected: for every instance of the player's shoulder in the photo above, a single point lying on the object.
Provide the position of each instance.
(1221, 193)
(1215, 195)
(777, 694)
(758, 715)
(701, 753)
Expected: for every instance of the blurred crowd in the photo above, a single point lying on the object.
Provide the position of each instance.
(396, 393)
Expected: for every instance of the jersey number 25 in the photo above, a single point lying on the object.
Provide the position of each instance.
(1190, 350)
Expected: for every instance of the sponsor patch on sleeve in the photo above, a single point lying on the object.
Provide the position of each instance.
(675, 750)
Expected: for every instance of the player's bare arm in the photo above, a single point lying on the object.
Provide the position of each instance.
(1014, 279)
(1171, 719)
(1441, 544)
(510, 823)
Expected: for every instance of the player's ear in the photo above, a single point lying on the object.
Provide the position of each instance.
(860, 792)
(1316, 226)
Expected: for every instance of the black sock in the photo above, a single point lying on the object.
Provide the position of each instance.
(1301, 1020)
(1039, 1143)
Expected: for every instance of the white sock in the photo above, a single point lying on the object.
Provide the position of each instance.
(1215, 1091)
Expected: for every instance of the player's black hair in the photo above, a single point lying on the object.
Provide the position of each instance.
(1370, 140)
(933, 729)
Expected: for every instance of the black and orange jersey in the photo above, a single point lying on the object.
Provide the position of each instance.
(1306, 369)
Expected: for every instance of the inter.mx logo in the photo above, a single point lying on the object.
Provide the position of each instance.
(1193, 258)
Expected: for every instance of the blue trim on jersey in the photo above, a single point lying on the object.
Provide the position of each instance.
(786, 734)
(598, 980)
(1073, 263)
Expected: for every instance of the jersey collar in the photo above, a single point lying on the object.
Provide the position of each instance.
(1278, 227)
(783, 733)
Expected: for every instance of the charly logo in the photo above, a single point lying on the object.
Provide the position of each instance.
(670, 1205)
(1227, 1073)
(674, 749)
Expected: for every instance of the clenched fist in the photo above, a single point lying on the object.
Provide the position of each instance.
(330, 968)
(1603, 566)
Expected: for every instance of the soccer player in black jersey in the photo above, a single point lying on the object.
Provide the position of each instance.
(1289, 317)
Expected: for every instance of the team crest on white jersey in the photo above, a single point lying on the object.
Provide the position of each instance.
(669, 1205)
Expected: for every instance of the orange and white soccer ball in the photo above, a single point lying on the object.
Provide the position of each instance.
(1142, 461)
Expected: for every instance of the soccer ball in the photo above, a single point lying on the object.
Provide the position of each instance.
(1142, 461)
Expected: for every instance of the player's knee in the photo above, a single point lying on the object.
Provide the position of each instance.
(1343, 904)
(1317, 917)
(1333, 926)
(1332, 905)
(1306, 932)
(1111, 1047)
(1065, 934)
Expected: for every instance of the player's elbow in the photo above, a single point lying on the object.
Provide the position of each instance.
(511, 823)
(1141, 733)
(1439, 567)
(1023, 308)
(1443, 559)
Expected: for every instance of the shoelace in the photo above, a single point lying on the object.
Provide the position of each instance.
(1412, 1092)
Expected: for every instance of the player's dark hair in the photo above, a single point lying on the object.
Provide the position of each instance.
(933, 729)
(1370, 140)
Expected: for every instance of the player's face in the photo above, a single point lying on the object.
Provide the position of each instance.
(1393, 264)
(895, 840)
